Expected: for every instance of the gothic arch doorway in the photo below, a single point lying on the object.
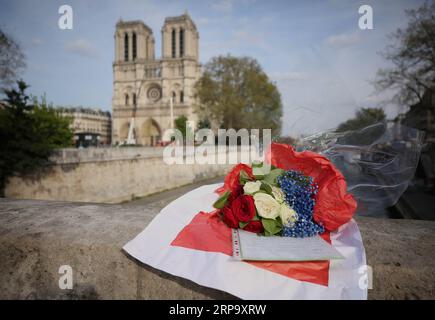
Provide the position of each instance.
(123, 132)
(150, 134)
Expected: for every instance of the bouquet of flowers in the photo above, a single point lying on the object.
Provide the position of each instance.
(301, 194)
(297, 194)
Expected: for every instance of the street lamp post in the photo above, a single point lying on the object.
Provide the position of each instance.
(171, 105)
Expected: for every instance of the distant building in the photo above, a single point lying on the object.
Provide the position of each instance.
(91, 127)
(144, 85)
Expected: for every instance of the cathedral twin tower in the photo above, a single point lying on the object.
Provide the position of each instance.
(144, 85)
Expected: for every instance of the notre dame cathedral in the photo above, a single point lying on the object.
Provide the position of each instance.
(143, 85)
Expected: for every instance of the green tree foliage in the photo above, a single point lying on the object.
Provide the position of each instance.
(29, 131)
(363, 118)
(204, 124)
(181, 124)
(412, 54)
(54, 130)
(236, 93)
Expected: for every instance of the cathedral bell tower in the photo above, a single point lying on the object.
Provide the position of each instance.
(134, 41)
(180, 61)
(180, 38)
(149, 93)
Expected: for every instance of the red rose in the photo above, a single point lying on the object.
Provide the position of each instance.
(243, 208)
(232, 179)
(237, 192)
(229, 218)
(254, 226)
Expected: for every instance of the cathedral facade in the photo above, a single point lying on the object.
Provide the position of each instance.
(144, 86)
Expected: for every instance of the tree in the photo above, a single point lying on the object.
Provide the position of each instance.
(53, 129)
(28, 132)
(412, 54)
(181, 125)
(11, 60)
(204, 124)
(236, 93)
(363, 118)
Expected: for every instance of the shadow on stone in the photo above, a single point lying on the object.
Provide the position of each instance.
(186, 284)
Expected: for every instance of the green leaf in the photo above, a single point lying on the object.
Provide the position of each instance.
(260, 191)
(220, 203)
(268, 173)
(242, 224)
(258, 173)
(267, 234)
(244, 177)
(257, 170)
(271, 177)
(257, 164)
(266, 187)
(271, 226)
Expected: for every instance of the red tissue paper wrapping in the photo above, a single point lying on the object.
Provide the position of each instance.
(334, 206)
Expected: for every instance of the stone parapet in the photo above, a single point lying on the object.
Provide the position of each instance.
(37, 237)
(110, 175)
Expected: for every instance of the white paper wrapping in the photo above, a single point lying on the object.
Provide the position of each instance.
(347, 277)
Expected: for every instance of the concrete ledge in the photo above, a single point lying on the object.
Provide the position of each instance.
(37, 237)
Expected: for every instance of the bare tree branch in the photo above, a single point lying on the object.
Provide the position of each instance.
(412, 54)
(11, 60)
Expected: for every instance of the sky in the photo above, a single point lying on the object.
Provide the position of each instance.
(321, 61)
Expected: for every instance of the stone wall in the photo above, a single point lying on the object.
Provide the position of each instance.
(107, 175)
(37, 237)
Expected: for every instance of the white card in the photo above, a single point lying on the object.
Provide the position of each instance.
(250, 246)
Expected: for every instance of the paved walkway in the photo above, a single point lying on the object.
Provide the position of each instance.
(167, 196)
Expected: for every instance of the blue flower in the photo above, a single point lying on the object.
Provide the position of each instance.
(300, 191)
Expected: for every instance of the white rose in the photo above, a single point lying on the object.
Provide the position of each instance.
(251, 187)
(288, 215)
(278, 194)
(266, 205)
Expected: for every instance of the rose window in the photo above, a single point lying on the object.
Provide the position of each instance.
(154, 94)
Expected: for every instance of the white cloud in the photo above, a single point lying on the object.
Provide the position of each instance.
(37, 42)
(266, 19)
(223, 6)
(228, 5)
(202, 21)
(289, 76)
(36, 67)
(82, 47)
(342, 40)
(250, 37)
